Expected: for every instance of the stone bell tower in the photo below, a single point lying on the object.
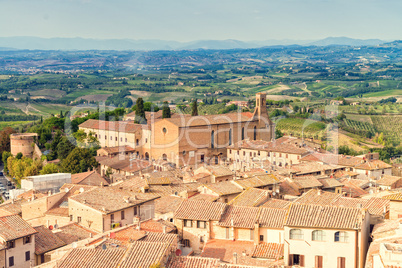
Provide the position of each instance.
(266, 127)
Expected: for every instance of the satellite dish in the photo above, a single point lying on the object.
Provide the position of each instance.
(74, 245)
(178, 252)
(50, 227)
(66, 190)
(104, 247)
(81, 190)
(56, 226)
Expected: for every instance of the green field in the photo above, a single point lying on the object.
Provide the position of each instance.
(386, 93)
(298, 127)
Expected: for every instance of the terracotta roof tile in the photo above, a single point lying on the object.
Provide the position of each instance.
(204, 197)
(156, 226)
(73, 232)
(224, 188)
(330, 183)
(94, 258)
(107, 199)
(373, 165)
(268, 251)
(307, 182)
(167, 204)
(93, 177)
(192, 262)
(125, 164)
(272, 217)
(324, 217)
(144, 254)
(318, 197)
(200, 210)
(388, 180)
(13, 227)
(202, 120)
(251, 197)
(122, 126)
(46, 240)
(241, 217)
(276, 203)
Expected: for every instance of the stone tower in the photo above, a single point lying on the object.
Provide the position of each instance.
(266, 127)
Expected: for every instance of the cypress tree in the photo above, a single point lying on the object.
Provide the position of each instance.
(194, 111)
(166, 110)
(140, 112)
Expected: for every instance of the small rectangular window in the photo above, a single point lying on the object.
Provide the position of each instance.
(135, 211)
(78, 219)
(11, 244)
(201, 224)
(188, 223)
(112, 218)
(11, 261)
(27, 240)
(126, 139)
(27, 256)
(261, 238)
(122, 215)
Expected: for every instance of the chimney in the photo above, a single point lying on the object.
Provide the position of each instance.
(139, 225)
(164, 229)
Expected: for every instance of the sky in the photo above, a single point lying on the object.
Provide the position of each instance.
(188, 20)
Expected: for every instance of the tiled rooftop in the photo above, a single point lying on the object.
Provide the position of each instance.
(224, 188)
(167, 204)
(272, 217)
(241, 217)
(314, 216)
(46, 240)
(121, 126)
(268, 251)
(251, 197)
(276, 203)
(192, 262)
(107, 200)
(73, 232)
(200, 210)
(13, 227)
(387, 180)
(144, 254)
(93, 177)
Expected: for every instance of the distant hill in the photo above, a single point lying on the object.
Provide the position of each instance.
(37, 43)
(346, 41)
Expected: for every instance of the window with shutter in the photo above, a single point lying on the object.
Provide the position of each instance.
(290, 259)
(301, 261)
(341, 262)
(318, 261)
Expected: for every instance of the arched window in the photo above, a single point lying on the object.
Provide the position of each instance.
(212, 139)
(296, 234)
(164, 157)
(146, 156)
(341, 237)
(255, 133)
(242, 133)
(230, 136)
(318, 235)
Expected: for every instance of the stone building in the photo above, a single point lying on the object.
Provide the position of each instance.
(25, 143)
(185, 140)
